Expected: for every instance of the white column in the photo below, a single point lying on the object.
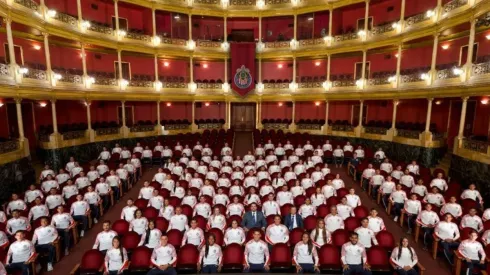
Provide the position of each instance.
(361, 109)
(295, 25)
(429, 114)
(154, 22)
(402, 15)
(260, 70)
(155, 59)
(294, 69)
(434, 55)
(257, 114)
(119, 63)
(225, 29)
(193, 114)
(10, 41)
(393, 119)
(47, 54)
(20, 122)
(363, 73)
(79, 12)
(462, 118)
(328, 67)
(190, 26)
(227, 114)
(53, 114)
(326, 114)
(293, 116)
(89, 115)
(123, 112)
(158, 113)
(260, 28)
(116, 15)
(191, 70)
(469, 57)
(330, 20)
(84, 60)
(226, 71)
(366, 18)
(398, 65)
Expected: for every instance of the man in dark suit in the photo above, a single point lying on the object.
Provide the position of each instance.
(254, 219)
(293, 220)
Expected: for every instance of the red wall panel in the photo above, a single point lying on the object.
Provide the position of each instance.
(180, 26)
(177, 110)
(309, 68)
(349, 17)
(423, 54)
(274, 111)
(4, 126)
(214, 71)
(344, 65)
(3, 53)
(271, 71)
(321, 20)
(379, 110)
(244, 24)
(381, 13)
(65, 6)
(483, 44)
(215, 110)
(440, 114)
(138, 17)
(28, 120)
(63, 57)
(104, 111)
(480, 125)
(383, 62)
(174, 68)
(163, 21)
(43, 114)
(412, 110)
(69, 111)
(30, 55)
(207, 28)
(98, 10)
(453, 53)
(309, 110)
(414, 7)
(100, 62)
(140, 65)
(340, 110)
(144, 111)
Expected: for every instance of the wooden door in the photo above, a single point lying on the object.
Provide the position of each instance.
(355, 114)
(243, 116)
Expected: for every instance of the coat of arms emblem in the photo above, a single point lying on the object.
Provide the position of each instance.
(243, 78)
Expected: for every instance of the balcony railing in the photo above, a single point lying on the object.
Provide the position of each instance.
(8, 146)
(346, 37)
(378, 81)
(343, 83)
(382, 29)
(208, 44)
(452, 5)
(375, 130)
(4, 70)
(276, 2)
(28, 4)
(107, 131)
(210, 125)
(207, 2)
(66, 18)
(410, 78)
(446, 74)
(98, 27)
(36, 74)
(475, 145)
(142, 128)
(105, 81)
(408, 134)
(311, 42)
(276, 85)
(480, 69)
(43, 137)
(418, 18)
(73, 135)
(176, 126)
(141, 83)
(174, 85)
(438, 136)
(277, 45)
(343, 128)
(173, 41)
(243, 2)
(302, 85)
(276, 126)
(71, 78)
(309, 126)
(138, 36)
(209, 85)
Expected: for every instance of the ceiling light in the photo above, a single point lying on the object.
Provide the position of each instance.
(279, 66)
(206, 104)
(166, 64)
(438, 102)
(37, 47)
(205, 65)
(279, 104)
(317, 63)
(317, 103)
(445, 46)
(43, 104)
(169, 104)
(484, 101)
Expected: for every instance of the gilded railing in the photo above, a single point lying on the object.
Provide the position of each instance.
(378, 81)
(277, 44)
(438, 136)
(141, 83)
(209, 85)
(4, 70)
(276, 85)
(275, 126)
(311, 42)
(475, 145)
(343, 128)
(343, 83)
(138, 36)
(28, 4)
(208, 44)
(173, 41)
(73, 135)
(452, 5)
(174, 85)
(66, 18)
(142, 128)
(375, 130)
(36, 74)
(408, 134)
(71, 78)
(243, 2)
(382, 29)
(309, 126)
(105, 81)
(8, 146)
(98, 27)
(276, 2)
(302, 85)
(446, 74)
(412, 20)
(207, 2)
(480, 68)
(410, 78)
(107, 131)
(176, 126)
(210, 125)
(346, 37)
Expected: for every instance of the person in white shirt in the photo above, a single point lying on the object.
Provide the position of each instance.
(146, 192)
(49, 184)
(305, 256)
(151, 237)
(412, 208)
(473, 252)
(69, 190)
(63, 176)
(147, 155)
(3, 217)
(266, 189)
(386, 189)
(38, 210)
(102, 168)
(375, 222)
(256, 254)
(420, 189)
(366, 235)
(116, 259)
(344, 209)
(123, 176)
(398, 198)
(80, 210)
(70, 164)
(359, 151)
(271, 207)
(333, 220)
(76, 170)
(439, 182)
(375, 182)
(47, 171)
(397, 173)
(353, 257)
(202, 208)
(252, 197)
(194, 235)
(428, 219)
(448, 233)
(235, 208)
(453, 208)
(33, 193)
(225, 150)
(320, 235)
(103, 241)
(338, 156)
(127, 212)
(104, 190)
(189, 199)
(20, 255)
(413, 167)
(338, 182)
(163, 258)
(210, 257)
(43, 239)
(63, 222)
(329, 190)
(404, 258)
(353, 200)
(407, 179)
(54, 200)
(166, 154)
(167, 211)
(156, 201)
(82, 181)
(137, 166)
(307, 209)
(317, 174)
(117, 149)
(472, 220)
(386, 166)
(221, 198)
(139, 224)
(125, 154)
(216, 220)
(366, 176)
(207, 189)
(224, 181)
(435, 198)
(94, 201)
(318, 198)
(17, 223)
(234, 234)
(93, 174)
(380, 153)
(306, 182)
(178, 221)
(472, 194)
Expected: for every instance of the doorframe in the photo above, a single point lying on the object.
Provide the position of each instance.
(253, 104)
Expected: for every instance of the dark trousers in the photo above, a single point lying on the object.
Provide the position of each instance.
(65, 237)
(397, 209)
(116, 272)
(447, 248)
(402, 271)
(106, 200)
(356, 269)
(49, 249)
(25, 268)
(365, 183)
(472, 265)
(82, 220)
(411, 218)
(428, 238)
(255, 268)
(156, 271)
(209, 269)
(338, 160)
(385, 199)
(116, 193)
(94, 211)
(124, 184)
(374, 191)
(307, 268)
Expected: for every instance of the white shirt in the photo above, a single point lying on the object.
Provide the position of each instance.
(193, 236)
(345, 210)
(103, 241)
(153, 239)
(353, 200)
(48, 185)
(146, 192)
(353, 254)
(405, 259)
(189, 200)
(427, 218)
(439, 183)
(69, 191)
(387, 187)
(62, 221)
(92, 175)
(407, 180)
(178, 222)
(376, 224)
(38, 211)
(164, 255)
(114, 261)
(474, 222)
(338, 183)
(213, 257)
(102, 188)
(413, 168)
(82, 182)
(329, 191)
(44, 235)
(398, 196)
(139, 225)
(381, 154)
(420, 190)
(79, 208)
(284, 197)
(366, 236)
(256, 252)
(447, 230)
(235, 209)
(217, 221)
(127, 212)
(472, 250)
(16, 224)
(271, 208)
(413, 207)
(91, 197)
(234, 235)
(62, 178)
(319, 241)
(202, 209)
(53, 201)
(20, 251)
(156, 202)
(333, 223)
(221, 199)
(301, 254)
(31, 195)
(306, 210)
(453, 209)
(387, 167)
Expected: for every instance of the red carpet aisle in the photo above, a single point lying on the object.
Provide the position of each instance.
(243, 143)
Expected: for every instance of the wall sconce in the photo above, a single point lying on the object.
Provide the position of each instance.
(294, 2)
(37, 47)
(396, 26)
(318, 63)
(192, 87)
(293, 86)
(260, 47)
(458, 71)
(225, 46)
(484, 101)
(89, 81)
(438, 102)
(43, 104)
(487, 36)
(260, 4)
(158, 85)
(191, 44)
(360, 83)
(328, 39)
(10, 2)
(121, 34)
(207, 104)
(279, 104)
(396, 55)
(205, 65)
(51, 13)
(1, 104)
(23, 70)
(155, 40)
(327, 85)
(169, 104)
(362, 34)
(58, 76)
(294, 44)
(260, 87)
(445, 46)
(225, 87)
(190, 3)
(166, 64)
(280, 66)
(225, 3)
(424, 76)
(124, 84)
(392, 79)
(317, 103)
(85, 25)
(430, 13)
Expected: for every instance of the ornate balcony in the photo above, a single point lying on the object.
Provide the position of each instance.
(378, 81)
(142, 128)
(101, 28)
(446, 74)
(141, 83)
(312, 42)
(452, 5)
(313, 85)
(410, 78)
(173, 41)
(276, 85)
(66, 18)
(475, 145)
(277, 2)
(243, 3)
(107, 131)
(343, 83)
(174, 85)
(382, 29)
(209, 86)
(71, 78)
(4, 70)
(416, 19)
(343, 128)
(138, 36)
(207, 2)
(346, 37)
(99, 80)
(277, 45)
(375, 130)
(177, 126)
(408, 134)
(309, 126)
(208, 44)
(30, 4)
(276, 126)
(73, 135)
(480, 69)
(36, 74)
(8, 146)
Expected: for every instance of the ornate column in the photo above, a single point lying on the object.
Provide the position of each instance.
(366, 19)
(89, 116)
(84, 60)
(10, 40)
(228, 115)
(330, 20)
(295, 25)
(154, 22)
(155, 59)
(393, 118)
(429, 114)
(294, 70)
(361, 109)
(20, 122)
(226, 73)
(49, 71)
(225, 29)
(292, 126)
(363, 73)
(435, 47)
(402, 15)
(53, 114)
(158, 114)
(191, 70)
(325, 126)
(123, 113)
(328, 68)
(193, 117)
(260, 29)
(469, 57)
(462, 119)
(398, 66)
(79, 12)
(119, 65)
(260, 70)
(258, 120)
(116, 16)
(190, 27)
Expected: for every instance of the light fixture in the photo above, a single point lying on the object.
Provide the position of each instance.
(279, 104)
(317, 63)
(484, 101)
(169, 104)
(58, 76)
(225, 3)
(43, 104)
(260, 87)
(166, 64)
(260, 4)
(360, 83)
(225, 46)
(438, 102)
(37, 47)
(260, 47)
(457, 71)
(206, 104)
(395, 25)
(156, 40)
(294, 2)
(280, 66)
(51, 13)
(82, 55)
(90, 80)
(487, 36)
(23, 70)
(429, 13)
(191, 44)
(361, 33)
(293, 86)
(293, 44)
(445, 46)
(424, 76)
(310, 18)
(225, 87)
(158, 85)
(317, 103)
(392, 79)
(1, 104)
(205, 65)
(85, 25)
(122, 33)
(124, 83)
(397, 55)
(327, 85)
(192, 87)
(177, 17)
(327, 39)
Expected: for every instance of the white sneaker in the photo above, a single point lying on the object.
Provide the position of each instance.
(82, 233)
(67, 252)
(396, 218)
(50, 267)
(95, 220)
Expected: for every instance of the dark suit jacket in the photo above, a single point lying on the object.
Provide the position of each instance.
(249, 222)
(288, 221)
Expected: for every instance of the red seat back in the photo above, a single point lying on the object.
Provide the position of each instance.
(188, 256)
(281, 256)
(130, 240)
(385, 240)
(91, 261)
(201, 222)
(121, 227)
(233, 256)
(162, 224)
(175, 238)
(340, 237)
(378, 259)
(310, 222)
(218, 234)
(141, 203)
(329, 257)
(299, 200)
(150, 213)
(140, 258)
(230, 219)
(295, 236)
(361, 212)
(351, 223)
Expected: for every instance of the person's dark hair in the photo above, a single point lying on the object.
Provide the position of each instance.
(148, 231)
(207, 244)
(354, 234)
(400, 248)
(107, 222)
(317, 229)
(310, 243)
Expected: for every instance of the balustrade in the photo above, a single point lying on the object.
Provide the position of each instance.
(28, 4)
(452, 5)
(382, 29)
(408, 134)
(142, 128)
(476, 145)
(66, 18)
(107, 131)
(73, 135)
(138, 36)
(209, 85)
(101, 28)
(478, 69)
(375, 130)
(418, 18)
(9, 146)
(36, 74)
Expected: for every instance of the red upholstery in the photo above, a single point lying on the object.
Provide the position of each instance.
(130, 240)
(351, 223)
(233, 257)
(174, 201)
(187, 257)
(299, 200)
(150, 213)
(329, 257)
(361, 212)
(250, 234)
(280, 256)
(91, 261)
(310, 222)
(385, 240)
(140, 259)
(341, 192)
(378, 259)
(121, 227)
(295, 236)
(332, 201)
(340, 237)
(141, 203)
(161, 224)
(187, 210)
(286, 209)
(322, 211)
(201, 222)
(175, 238)
(270, 219)
(230, 219)
(218, 234)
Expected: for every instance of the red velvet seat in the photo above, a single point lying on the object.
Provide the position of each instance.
(332, 201)
(140, 259)
(341, 192)
(187, 258)
(329, 258)
(201, 222)
(92, 261)
(162, 224)
(322, 211)
(150, 213)
(130, 240)
(286, 209)
(233, 257)
(361, 212)
(299, 200)
(385, 240)
(378, 259)
(340, 237)
(218, 235)
(295, 236)
(270, 219)
(121, 227)
(175, 237)
(187, 210)
(250, 234)
(351, 223)
(174, 201)
(280, 257)
(141, 203)
(310, 222)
